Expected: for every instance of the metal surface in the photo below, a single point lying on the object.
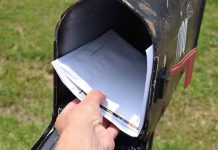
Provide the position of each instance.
(172, 26)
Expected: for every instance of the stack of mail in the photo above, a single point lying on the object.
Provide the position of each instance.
(111, 65)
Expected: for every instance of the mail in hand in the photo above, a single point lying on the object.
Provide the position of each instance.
(111, 65)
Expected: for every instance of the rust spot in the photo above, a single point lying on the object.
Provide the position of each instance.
(151, 27)
(147, 8)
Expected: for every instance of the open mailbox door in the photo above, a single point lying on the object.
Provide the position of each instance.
(172, 27)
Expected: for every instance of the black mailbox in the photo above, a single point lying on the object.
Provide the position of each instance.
(171, 26)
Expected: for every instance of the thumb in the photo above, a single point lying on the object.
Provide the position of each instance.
(95, 97)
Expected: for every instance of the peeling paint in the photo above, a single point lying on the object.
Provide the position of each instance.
(165, 60)
(151, 25)
(128, 4)
(181, 13)
(147, 8)
(189, 10)
(182, 34)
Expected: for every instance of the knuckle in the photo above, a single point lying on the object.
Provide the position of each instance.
(87, 109)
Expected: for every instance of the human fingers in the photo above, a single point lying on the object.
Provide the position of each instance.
(60, 121)
(113, 131)
(70, 106)
(95, 97)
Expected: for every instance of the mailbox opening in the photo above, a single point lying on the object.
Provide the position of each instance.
(88, 20)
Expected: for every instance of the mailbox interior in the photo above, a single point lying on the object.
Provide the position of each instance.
(85, 21)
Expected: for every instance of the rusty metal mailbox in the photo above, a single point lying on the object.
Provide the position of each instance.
(171, 26)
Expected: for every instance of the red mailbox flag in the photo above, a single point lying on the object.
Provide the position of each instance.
(186, 63)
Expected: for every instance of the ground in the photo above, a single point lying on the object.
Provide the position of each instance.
(26, 50)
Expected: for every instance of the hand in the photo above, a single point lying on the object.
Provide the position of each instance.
(81, 126)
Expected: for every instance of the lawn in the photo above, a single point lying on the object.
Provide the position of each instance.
(26, 50)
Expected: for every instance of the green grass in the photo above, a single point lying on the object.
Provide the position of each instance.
(26, 50)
